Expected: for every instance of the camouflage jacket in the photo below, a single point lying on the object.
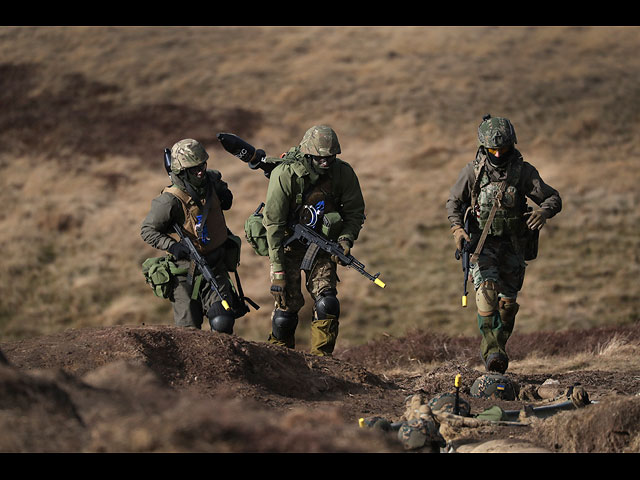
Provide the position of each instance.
(284, 196)
(167, 209)
(529, 184)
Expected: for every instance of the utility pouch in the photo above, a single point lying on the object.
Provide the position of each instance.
(158, 273)
(256, 234)
(232, 252)
(332, 225)
(530, 250)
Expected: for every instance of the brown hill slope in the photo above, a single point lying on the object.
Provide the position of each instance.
(88, 110)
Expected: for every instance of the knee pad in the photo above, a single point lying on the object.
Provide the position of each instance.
(222, 323)
(327, 306)
(283, 324)
(508, 308)
(487, 298)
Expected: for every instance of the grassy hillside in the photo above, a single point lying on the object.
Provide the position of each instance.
(87, 112)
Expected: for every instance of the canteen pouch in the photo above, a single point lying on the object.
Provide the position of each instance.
(256, 234)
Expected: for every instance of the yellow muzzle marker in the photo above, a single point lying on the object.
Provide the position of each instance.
(456, 407)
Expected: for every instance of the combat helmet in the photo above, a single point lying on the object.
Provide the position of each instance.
(187, 153)
(320, 141)
(446, 402)
(495, 385)
(496, 132)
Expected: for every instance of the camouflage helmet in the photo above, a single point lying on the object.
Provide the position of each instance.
(446, 402)
(496, 132)
(187, 153)
(495, 385)
(320, 141)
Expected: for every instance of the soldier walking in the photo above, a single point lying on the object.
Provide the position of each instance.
(310, 184)
(503, 232)
(195, 201)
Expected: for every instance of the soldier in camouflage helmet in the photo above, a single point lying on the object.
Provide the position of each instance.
(196, 201)
(310, 183)
(446, 402)
(499, 175)
(493, 385)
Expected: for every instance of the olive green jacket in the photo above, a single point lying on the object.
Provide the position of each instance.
(284, 196)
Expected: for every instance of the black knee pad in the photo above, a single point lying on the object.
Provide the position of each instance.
(327, 306)
(222, 323)
(283, 324)
(220, 319)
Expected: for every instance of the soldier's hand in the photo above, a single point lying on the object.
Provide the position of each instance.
(278, 285)
(459, 235)
(345, 244)
(537, 218)
(180, 251)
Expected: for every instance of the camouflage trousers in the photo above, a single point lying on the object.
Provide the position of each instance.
(320, 279)
(189, 312)
(501, 264)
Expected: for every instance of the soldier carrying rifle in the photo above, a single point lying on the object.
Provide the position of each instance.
(502, 231)
(313, 213)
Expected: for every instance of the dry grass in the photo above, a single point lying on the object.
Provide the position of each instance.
(87, 112)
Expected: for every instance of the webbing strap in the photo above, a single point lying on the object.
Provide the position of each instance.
(487, 226)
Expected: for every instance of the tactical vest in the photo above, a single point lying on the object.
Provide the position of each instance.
(317, 203)
(508, 218)
(214, 232)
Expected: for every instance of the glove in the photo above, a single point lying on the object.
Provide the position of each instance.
(537, 218)
(180, 251)
(278, 285)
(458, 235)
(346, 244)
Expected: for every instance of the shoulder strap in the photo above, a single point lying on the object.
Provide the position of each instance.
(485, 231)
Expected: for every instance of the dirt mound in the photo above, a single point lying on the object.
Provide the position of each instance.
(128, 388)
(168, 389)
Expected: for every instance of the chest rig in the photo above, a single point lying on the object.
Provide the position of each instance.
(206, 235)
(492, 187)
(316, 203)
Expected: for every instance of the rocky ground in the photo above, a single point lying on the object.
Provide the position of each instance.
(167, 389)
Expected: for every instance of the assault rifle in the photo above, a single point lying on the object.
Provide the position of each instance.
(464, 255)
(256, 159)
(200, 262)
(316, 242)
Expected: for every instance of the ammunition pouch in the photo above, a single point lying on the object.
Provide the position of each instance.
(332, 225)
(232, 248)
(256, 234)
(530, 244)
(504, 223)
(159, 273)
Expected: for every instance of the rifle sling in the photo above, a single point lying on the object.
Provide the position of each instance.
(487, 226)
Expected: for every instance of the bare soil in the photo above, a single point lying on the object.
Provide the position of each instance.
(168, 389)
